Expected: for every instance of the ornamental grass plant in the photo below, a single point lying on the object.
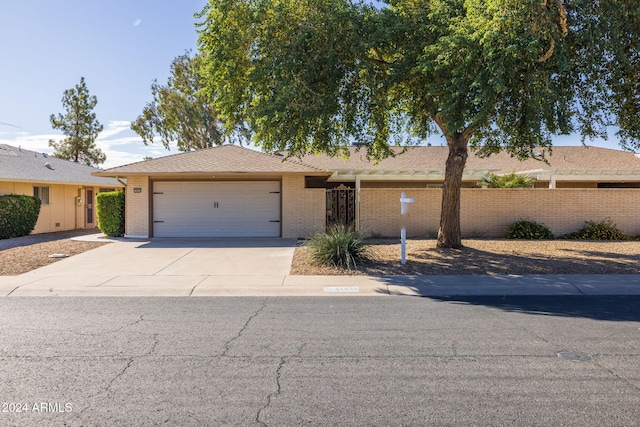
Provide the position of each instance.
(339, 246)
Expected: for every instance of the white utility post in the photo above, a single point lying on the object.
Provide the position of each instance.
(404, 211)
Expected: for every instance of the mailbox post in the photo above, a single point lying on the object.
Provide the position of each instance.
(404, 211)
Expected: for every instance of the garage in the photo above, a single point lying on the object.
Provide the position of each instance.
(216, 209)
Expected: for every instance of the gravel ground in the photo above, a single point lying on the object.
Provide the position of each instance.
(23, 254)
(489, 256)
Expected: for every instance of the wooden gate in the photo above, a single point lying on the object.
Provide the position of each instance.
(341, 206)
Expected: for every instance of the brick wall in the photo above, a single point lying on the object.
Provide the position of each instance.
(303, 209)
(137, 207)
(489, 212)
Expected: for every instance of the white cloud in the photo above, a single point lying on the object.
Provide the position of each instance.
(120, 144)
(39, 143)
(137, 22)
(114, 127)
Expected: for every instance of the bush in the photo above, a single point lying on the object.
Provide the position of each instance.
(531, 230)
(510, 180)
(603, 230)
(110, 213)
(18, 215)
(340, 246)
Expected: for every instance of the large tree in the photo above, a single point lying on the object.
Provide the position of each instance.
(316, 75)
(182, 112)
(81, 127)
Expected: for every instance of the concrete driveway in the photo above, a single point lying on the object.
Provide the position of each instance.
(161, 267)
(178, 257)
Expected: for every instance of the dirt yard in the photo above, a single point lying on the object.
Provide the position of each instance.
(490, 256)
(27, 253)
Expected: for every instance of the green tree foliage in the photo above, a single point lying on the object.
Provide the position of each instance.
(18, 215)
(510, 180)
(183, 112)
(316, 75)
(81, 127)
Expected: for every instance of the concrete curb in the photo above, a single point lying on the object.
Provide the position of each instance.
(279, 285)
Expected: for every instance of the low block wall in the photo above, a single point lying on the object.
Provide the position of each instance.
(489, 212)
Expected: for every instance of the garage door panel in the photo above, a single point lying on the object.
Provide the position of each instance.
(217, 209)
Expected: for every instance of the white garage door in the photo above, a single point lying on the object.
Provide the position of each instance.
(216, 209)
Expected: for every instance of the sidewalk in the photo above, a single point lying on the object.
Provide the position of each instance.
(286, 285)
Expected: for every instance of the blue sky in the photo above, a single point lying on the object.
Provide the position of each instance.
(118, 46)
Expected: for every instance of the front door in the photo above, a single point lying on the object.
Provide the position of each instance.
(89, 210)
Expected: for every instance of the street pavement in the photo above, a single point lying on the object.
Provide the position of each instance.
(260, 267)
(288, 361)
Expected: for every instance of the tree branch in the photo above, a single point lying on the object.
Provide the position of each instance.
(379, 59)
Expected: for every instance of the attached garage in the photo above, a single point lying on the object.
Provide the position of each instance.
(222, 191)
(216, 209)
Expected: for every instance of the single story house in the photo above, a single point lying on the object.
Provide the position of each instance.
(66, 189)
(232, 191)
(423, 167)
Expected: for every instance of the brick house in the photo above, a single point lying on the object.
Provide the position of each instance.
(237, 192)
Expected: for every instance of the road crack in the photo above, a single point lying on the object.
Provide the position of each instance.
(619, 377)
(87, 334)
(278, 390)
(227, 345)
(121, 373)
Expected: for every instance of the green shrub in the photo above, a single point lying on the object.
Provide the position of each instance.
(18, 215)
(603, 230)
(110, 213)
(531, 230)
(340, 246)
(510, 180)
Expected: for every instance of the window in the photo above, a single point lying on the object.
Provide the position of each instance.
(106, 190)
(41, 193)
(618, 185)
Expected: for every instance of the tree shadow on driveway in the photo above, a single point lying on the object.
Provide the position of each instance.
(218, 242)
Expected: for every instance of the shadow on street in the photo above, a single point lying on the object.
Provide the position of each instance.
(610, 308)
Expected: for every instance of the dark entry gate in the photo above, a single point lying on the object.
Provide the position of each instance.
(341, 205)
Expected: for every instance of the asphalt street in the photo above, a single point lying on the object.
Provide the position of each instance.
(336, 361)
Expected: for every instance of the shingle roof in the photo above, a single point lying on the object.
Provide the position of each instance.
(423, 158)
(236, 159)
(18, 164)
(219, 159)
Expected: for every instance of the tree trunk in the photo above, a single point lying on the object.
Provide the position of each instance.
(449, 234)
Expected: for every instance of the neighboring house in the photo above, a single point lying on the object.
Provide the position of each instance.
(237, 192)
(66, 189)
(423, 167)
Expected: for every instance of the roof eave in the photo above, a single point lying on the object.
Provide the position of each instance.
(201, 173)
(49, 182)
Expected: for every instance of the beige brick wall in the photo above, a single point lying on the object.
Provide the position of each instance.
(303, 209)
(380, 211)
(137, 207)
(489, 212)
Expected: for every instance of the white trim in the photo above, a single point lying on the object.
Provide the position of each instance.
(403, 174)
